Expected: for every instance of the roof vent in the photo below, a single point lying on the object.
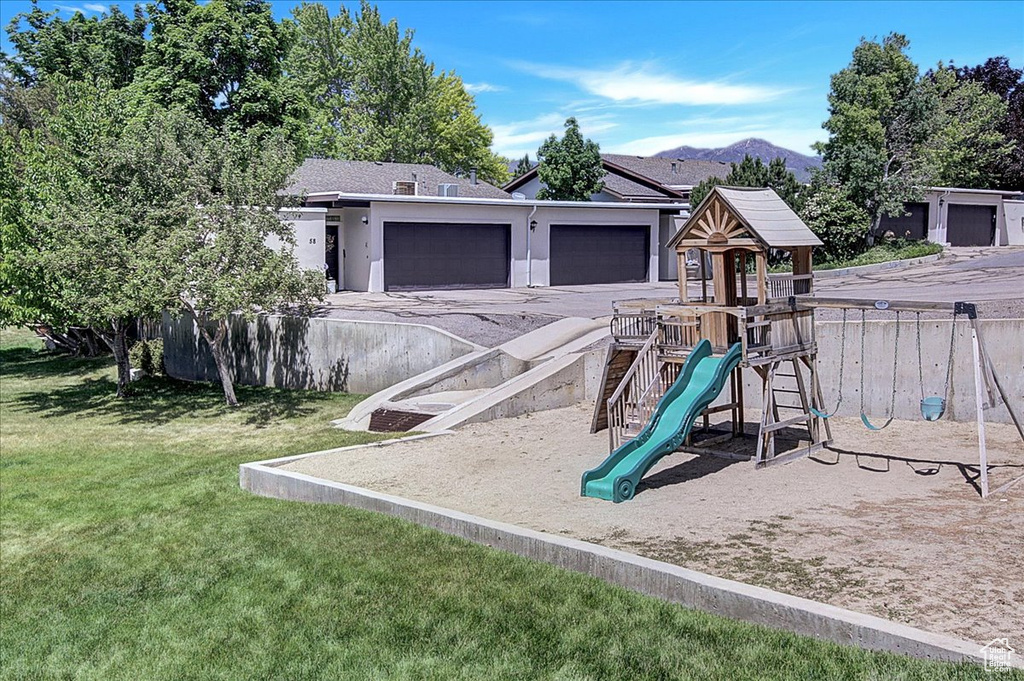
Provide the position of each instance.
(403, 188)
(447, 189)
(675, 168)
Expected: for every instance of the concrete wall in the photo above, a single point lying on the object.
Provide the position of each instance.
(312, 354)
(308, 224)
(1014, 211)
(1004, 342)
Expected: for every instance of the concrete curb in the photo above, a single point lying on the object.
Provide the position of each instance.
(877, 267)
(650, 577)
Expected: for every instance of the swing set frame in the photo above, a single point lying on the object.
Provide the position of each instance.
(988, 390)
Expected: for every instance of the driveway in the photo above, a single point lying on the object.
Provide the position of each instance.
(994, 277)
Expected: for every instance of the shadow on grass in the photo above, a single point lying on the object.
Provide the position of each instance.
(155, 400)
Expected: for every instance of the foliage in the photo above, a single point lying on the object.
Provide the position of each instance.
(967, 148)
(131, 553)
(222, 61)
(841, 225)
(998, 77)
(879, 118)
(523, 166)
(372, 96)
(221, 247)
(752, 172)
(78, 246)
(569, 168)
(888, 251)
(105, 48)
(148, 355)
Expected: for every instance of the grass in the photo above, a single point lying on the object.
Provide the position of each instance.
(127, 551)
(898, 250)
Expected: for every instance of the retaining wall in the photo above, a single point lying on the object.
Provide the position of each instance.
(312, 353)
(1003, 340)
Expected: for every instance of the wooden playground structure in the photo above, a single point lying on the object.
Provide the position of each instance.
(734, 231)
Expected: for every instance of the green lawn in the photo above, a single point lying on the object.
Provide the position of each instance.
(129, 552)
(898, 250)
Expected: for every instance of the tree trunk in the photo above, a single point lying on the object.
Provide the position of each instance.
(118, 342)
(216, 344)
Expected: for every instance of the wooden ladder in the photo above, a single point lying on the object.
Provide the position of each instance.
(787, 390)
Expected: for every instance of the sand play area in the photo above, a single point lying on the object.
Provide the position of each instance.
(886, 523)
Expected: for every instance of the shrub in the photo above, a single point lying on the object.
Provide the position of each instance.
(841, 225)
(148, 356)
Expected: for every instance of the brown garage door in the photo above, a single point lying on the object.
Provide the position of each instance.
(912, 224)
(425, 255)
(970, 225)
(599, 254)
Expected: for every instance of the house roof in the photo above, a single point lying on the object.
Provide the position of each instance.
(670, 172)
(761, 212)
(375, 177)
(646, 176)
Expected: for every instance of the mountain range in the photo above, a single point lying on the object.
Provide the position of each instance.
(756, 148)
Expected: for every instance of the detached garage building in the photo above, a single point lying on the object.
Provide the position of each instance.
(395, 227)
(958, 217)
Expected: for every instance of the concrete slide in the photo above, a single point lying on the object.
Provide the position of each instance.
(701, 380)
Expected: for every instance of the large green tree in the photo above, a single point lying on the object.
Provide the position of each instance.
(223, 61)
(967, 147)
(569, 168)
(879, 118)
(107, 47)
(840, 224)
(74, 237)
(372, 96)
(222, 248)
(998, 77)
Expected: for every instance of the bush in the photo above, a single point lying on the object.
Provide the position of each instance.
(840, 224)
(148, 356)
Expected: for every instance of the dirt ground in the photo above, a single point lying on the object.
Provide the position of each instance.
(887, 523)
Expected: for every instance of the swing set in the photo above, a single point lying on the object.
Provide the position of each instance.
(988, 391)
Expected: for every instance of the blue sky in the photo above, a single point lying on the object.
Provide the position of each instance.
(643, 77)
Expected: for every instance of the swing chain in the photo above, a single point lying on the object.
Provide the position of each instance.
(920, 358)
(895, 365)
(949, 363)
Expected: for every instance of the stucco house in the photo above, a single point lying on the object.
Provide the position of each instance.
(962, 217)
(398, 226)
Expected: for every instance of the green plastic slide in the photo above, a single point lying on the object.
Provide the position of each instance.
(701, 380)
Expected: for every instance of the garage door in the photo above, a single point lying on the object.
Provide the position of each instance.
(425, 255)
(912, 225)
(970, 225)
(599, 254)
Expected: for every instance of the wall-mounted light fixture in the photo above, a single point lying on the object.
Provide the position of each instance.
(364, 220)
(533, 225)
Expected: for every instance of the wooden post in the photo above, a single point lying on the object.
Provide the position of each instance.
(703, 276)
(762, 274)
(682, 276)
(743, 277)
(979, 390)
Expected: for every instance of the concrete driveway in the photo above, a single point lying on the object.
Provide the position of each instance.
(993, 276)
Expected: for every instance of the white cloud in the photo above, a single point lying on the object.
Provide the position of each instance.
(646, 82)
(474, 88)
(523, 137)
(87, 8)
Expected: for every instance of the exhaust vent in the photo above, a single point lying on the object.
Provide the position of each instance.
(403, 188)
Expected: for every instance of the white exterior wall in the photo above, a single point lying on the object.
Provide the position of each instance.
(308, 224)
(558, 215)
(387, 211)
(355, 237)
(938, 210)
(1014, 212)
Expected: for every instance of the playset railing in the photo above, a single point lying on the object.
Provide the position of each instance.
(782, 286)
(631, 403)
